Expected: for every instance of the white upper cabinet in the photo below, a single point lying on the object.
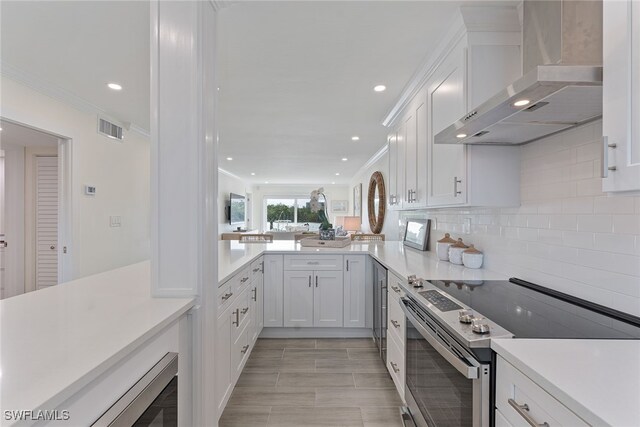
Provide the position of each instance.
(392, 143)
(621, 96)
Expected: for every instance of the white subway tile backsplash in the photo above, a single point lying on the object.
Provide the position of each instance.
(566, 234)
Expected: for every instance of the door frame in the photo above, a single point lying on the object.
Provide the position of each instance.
(65, 205)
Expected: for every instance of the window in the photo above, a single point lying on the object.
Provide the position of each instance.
(290, 214)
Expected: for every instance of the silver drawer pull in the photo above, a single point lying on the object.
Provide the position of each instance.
(523, 411)
(395, 367)
(255, 270)
(313, 262)
(237, 314)
(255, 294)
(244, 310)
(227, 296)
(244, 349)
(394, 323)
(244, 279)
(395, 288)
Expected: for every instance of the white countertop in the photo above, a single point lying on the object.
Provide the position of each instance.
(57, 340)
(396, 257)
(599, 380)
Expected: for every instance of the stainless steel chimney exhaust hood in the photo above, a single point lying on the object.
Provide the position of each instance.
(566, 92)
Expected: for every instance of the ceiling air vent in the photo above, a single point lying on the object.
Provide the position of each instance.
(110, 130)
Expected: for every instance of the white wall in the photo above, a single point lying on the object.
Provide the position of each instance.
(390, 226)
(120, 172)
(227, 183)
(566, 234)
(333, 192)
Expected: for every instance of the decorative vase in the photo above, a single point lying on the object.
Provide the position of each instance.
(329, 234)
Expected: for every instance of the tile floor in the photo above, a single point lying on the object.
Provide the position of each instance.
(314, 382)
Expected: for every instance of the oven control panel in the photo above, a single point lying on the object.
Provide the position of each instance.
(439, 301)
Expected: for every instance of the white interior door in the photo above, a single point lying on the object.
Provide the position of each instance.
(46, 221)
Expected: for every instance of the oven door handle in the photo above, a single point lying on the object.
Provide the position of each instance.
(469, 372)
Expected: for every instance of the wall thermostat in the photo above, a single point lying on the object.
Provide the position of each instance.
(89, 190)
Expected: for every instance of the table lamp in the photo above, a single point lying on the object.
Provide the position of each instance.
(352, 223)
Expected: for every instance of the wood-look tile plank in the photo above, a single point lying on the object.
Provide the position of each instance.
(372, 380)
(280, 365)
(350, 365)
(245, 416)
(272, 396)
(281, 343)
(381, 417)
(345, 343)
(363, 353)
(263, 353)
(301, 379)
(357, 397)
(315, 417)
(257, 379)
(326, 353)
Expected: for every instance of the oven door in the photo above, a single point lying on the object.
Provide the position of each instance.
(445, 384)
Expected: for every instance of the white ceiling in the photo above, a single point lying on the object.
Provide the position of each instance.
(297, 80)
(80, 46)
(15, 135)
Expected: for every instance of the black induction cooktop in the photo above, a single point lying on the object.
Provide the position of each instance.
(528, 310)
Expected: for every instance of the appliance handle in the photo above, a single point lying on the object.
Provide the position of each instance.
(469, 372)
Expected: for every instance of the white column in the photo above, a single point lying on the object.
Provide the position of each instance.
(184, 176)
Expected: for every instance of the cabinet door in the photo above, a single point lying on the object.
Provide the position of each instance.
(411, 162)
(328, 299)
(256, 311)
(354, 291)
(273, 290)
(222, 360)
(621, 96)
(401, 142)
(446, 104)
(298, 298)
(392, 140)
(422, 165)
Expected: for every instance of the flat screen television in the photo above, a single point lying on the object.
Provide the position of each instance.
(236, 208)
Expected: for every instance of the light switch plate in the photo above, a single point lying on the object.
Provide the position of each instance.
(115, 221)
(90, 190)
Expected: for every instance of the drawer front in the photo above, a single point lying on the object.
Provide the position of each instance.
(239, 352)
(256, 268)
(244, 305)
(313, 262)
(225, 296)
(395, 291)
(511, 384)
(501, 421)
(396, 321)
(395, 363)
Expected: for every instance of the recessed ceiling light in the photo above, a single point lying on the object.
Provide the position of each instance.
(253, 174)
(114, 86)
(380, 88)
(344, 159)
(337, 173)
(521, 103)
(333, 182)
(229, 158)
(461, 135)
(355, 138)
(266, 182)
(0, 129)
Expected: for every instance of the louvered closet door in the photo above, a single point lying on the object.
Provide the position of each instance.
(46, 221)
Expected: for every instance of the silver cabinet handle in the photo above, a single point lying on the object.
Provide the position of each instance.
(316, 281)
(456, 181)
(395, 288)
(347, 265)
(394, 366)
(227, 296)
(255, 270)
(52, 247)
(606, 145)
(408, 196)
(244, 310)
(244, 279)
(237, 314)
(309, 281)
(244, 349)
(394, 323)
(523, 411)
(255, 294)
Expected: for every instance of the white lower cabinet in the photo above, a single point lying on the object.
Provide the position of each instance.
(257, 298)
(224, 381)
(313, 298)
(273, 290)
(520, 401)
(355, 290)
(396, 362)
(396, 339)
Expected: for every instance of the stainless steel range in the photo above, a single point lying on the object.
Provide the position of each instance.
(450, 324)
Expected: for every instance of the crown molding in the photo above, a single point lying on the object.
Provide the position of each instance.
(62, 95)
(229, 174)
(220, 4)
(372, 160)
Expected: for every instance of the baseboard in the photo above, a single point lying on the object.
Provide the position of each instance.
(316, 333)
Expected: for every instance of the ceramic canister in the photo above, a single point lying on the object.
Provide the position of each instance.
(472, 258)
(455, 252)
(442, 247)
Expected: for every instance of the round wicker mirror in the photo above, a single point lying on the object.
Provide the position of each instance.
(376, 202)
